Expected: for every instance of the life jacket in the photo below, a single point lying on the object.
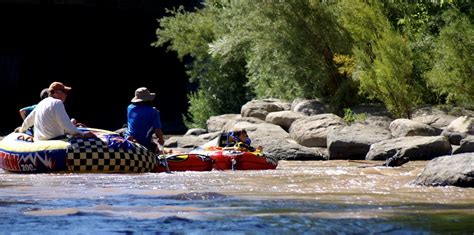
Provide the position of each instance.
(233, 139)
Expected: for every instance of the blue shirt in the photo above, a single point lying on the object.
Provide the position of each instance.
(142, 122)
(28, 109)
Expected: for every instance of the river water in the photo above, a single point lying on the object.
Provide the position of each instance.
(314, 197)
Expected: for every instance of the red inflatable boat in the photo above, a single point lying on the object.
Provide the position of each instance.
(184, 162)
(241, 160)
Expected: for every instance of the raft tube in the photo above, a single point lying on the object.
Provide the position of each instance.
(109, 153)
(242, 160)
(185, 162)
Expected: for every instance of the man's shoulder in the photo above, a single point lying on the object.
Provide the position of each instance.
(50, 101)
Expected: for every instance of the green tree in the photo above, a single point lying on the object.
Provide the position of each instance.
(383, 58)
(452, 74)
(220, 82)
(289, 49)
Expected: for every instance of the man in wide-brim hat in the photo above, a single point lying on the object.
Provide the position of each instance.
(144, 120)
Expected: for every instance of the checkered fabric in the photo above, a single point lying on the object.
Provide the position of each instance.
(94, 155)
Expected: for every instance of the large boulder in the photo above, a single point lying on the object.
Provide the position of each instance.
(309, 107)
(189, 141)
(255, 130)
(260, 108)
(312, 131)
(232, 124)
(373, 115)
(283, 118)
(414, 147)
(467, 145)
(433, 116)
(217, 123)
(454, 137)
(455, 170)
(353, 142)
(210, 136)
(406, 127)
(462, 124)
(283, 149)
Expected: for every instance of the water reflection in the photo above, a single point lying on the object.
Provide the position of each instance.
(315, 197)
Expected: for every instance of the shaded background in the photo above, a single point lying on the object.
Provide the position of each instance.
(99, 48)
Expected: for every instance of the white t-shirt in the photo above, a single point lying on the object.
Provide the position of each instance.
(50, 120)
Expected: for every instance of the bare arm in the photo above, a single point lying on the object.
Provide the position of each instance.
(23, 114)
(159, 135)
(64, 121)
(28, 122)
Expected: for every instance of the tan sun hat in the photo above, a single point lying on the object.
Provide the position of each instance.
(143, 94)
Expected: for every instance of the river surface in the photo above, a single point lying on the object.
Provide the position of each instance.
(309, 197)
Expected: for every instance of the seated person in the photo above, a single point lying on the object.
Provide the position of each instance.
(239, 137)
(143, 120)
(50, 119)
(24, 112)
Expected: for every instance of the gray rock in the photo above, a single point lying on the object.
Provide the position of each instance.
(433, 116)
(232, 124)
(196, 131)
(353, 142)
(462, 124)
(282, 149)
(311, 107)
(375, 115)
(283, 118)
(405, 127)
(217, 123)
(455, 170)
(189, 141)
(414, 147)
(454, 137)
(312, 131)
(467, 145)
(261, 130)
(260, 108)
(210, 136)
(396, 160)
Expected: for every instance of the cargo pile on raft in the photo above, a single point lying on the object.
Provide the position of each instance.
(112, 153)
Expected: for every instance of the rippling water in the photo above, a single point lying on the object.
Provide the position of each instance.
(297, 197)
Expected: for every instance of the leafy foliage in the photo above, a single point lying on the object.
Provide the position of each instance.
(453, 72)
(351, 117)
(221, 80)
(398, 53)
(383, 58)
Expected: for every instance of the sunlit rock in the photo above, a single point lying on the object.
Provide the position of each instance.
(455, 170)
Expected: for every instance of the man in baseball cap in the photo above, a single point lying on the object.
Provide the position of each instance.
(50, 119)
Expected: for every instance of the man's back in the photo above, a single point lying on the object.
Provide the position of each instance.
(142, 120)
(50, 120)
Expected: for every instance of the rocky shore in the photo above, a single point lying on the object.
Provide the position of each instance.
(305, 130)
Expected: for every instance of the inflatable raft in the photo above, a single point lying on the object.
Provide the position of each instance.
(184, 162)
(109, 153)
(242, 160)
(238, 157)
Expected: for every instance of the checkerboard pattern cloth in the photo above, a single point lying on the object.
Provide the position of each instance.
(94, 155)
